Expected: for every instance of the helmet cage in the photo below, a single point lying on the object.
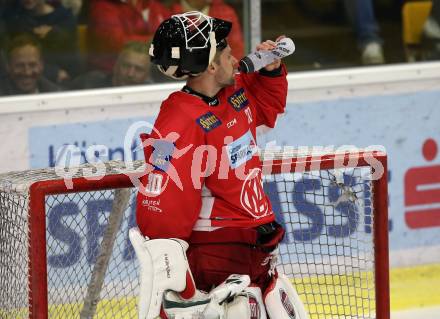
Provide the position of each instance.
(202, 36)
(195, 24)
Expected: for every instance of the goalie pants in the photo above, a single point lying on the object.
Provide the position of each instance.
(214, 255)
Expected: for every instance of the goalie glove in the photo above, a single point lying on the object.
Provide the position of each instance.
(212, 305)
(177, 308)
(248, 304)
(229, 288)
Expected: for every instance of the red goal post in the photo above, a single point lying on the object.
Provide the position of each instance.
(339, 268)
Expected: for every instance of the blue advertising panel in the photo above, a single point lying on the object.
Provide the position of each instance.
(406, 125)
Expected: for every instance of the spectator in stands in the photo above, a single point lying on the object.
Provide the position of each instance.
(2, 41)
(55, 28)
(4, 7)
(216, 9)
(79, 8)
(74, 5)
(114, 22)
(361, 15)
(431, 28)
(132, 67)
(24, 68)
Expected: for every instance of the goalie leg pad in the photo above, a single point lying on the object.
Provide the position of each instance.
(282, 300)
(163, 266)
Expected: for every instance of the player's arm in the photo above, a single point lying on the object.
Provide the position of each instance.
(169, 202)
(267, 88)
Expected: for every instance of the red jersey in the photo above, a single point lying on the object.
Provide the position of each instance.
(205, 172)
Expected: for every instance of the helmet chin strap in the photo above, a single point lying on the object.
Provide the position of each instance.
(171, 72)
(213, 49)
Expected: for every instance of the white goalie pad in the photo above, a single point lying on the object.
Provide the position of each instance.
(282, 300)
(163, 266)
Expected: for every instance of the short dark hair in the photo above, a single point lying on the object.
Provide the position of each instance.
(20, 41)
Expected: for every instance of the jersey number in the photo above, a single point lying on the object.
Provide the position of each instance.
(154, 185)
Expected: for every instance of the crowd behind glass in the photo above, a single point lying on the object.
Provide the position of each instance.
(58, 45)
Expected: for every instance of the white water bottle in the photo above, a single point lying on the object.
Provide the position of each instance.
(259, 59)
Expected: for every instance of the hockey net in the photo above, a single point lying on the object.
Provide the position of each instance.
(65, 253)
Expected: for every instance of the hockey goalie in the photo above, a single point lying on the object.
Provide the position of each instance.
(207, 237)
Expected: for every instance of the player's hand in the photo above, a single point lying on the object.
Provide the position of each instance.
(42, 30)
(62, 76)
(269, 45)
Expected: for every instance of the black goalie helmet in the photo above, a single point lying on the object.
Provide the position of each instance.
(186, 44)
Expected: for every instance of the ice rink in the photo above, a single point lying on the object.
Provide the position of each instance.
(415, 292)
(422, 313)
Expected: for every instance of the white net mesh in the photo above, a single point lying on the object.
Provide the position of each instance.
(14, 292)
(76, 225)
(19, 182)
(328, 251)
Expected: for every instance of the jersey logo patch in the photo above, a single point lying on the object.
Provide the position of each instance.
(241, 150)
(238, 100)
(162, 154)
(253, 198)
(208, 121)
(231, 123)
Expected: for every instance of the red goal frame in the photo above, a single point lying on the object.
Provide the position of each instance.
(38, 287)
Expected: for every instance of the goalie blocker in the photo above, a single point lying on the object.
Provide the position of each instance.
(167, 289)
